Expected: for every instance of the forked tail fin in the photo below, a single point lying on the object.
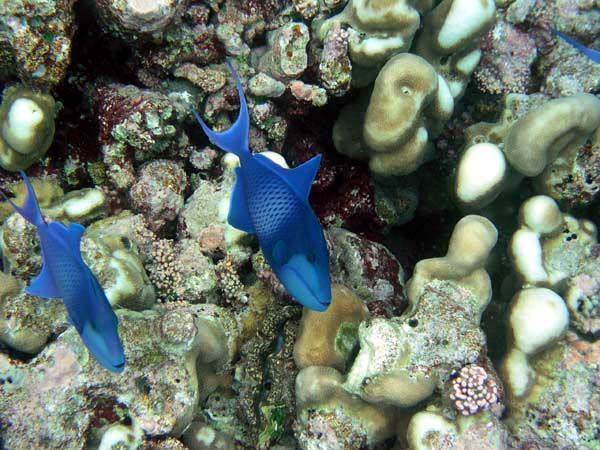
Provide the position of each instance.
(30, 209)
(235, 138)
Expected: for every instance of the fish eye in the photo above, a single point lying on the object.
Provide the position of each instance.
(311, 257)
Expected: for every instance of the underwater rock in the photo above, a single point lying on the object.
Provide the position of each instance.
(265, 377)
(159, 389)
(507, 54)
(369, 270)
(565, 394)
(26, 322)
(403, 359)
(135, 126)
(286, 59)
(135, 19)
(335, 66)
(39, 37)
(158, 193)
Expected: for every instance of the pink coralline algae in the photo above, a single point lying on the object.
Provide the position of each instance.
(507, 55)
(135, 126)
(473, 390)
(343, 191)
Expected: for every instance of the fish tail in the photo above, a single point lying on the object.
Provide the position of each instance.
(30, 209)
(235, 138)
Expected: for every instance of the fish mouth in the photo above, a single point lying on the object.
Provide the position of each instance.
(290, 276)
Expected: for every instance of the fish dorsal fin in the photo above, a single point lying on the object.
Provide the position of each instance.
(71, 236)
(299, 178)
(43, 285)
(238, 215)
(302, 177)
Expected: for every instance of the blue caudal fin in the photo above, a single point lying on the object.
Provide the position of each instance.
(235, 138)
(30, 209)
(238, 215)
(594, 55)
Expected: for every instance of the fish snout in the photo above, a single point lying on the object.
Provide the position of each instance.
(307, 282)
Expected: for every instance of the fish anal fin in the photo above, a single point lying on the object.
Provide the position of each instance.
(43, 285)
(238, 215)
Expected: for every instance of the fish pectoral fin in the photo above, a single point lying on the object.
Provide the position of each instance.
(238, 215)
(43, 285)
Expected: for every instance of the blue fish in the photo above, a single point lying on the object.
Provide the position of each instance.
(65, 275)
(272, 202)
(594, 55)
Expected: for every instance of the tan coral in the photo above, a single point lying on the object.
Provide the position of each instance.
(47, 190)
(470, 245)
(450, 39)
(327, 338)
(324, 407)
(26, 127)
(379, 28)
(408, 98)
(540, 136)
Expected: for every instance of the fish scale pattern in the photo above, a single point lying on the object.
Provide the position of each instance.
(273, 208)
(65, 267)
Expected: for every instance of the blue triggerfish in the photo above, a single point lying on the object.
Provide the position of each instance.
(65, 275)
(594, 55)
(272, 202)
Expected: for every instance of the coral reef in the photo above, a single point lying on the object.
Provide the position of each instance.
(435, 122)
(38, 40)
(64, 379)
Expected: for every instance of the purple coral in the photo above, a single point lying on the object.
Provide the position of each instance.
(506, 57)
(473, 390)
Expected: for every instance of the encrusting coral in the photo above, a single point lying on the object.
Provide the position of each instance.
(190, 343)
